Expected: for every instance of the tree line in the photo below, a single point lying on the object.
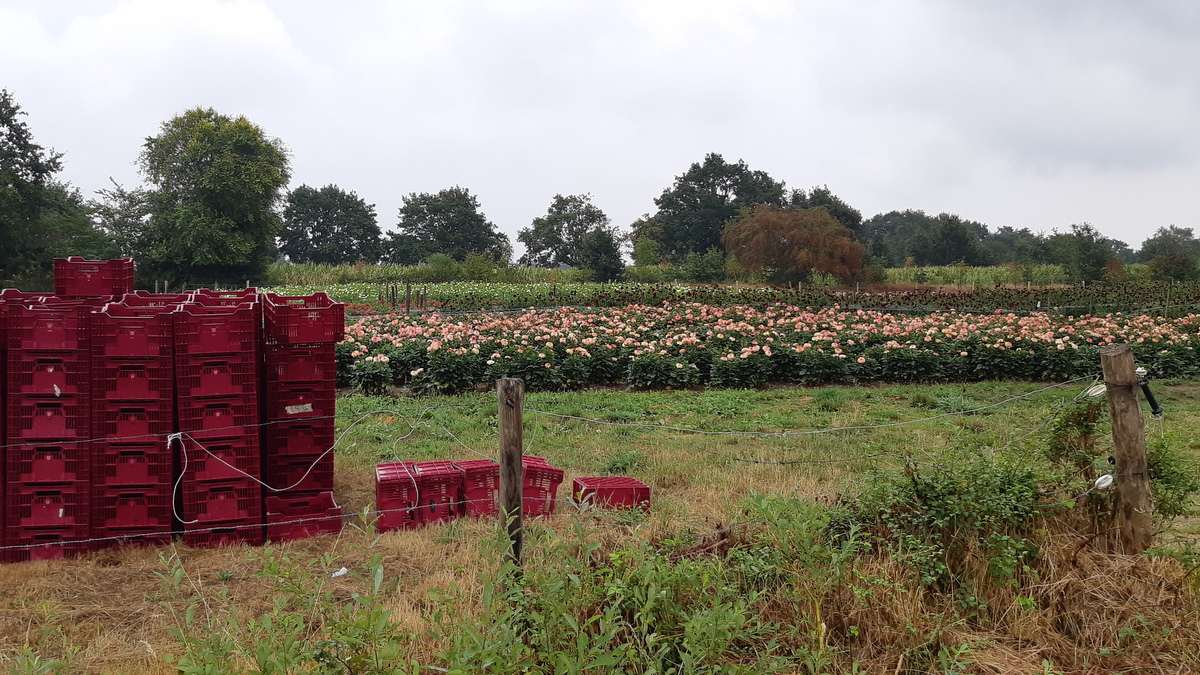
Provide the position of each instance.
(214, 206)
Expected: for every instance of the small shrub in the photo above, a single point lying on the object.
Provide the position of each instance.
(932, 517)
(624, 462)
(372, 375)
(1174, 480)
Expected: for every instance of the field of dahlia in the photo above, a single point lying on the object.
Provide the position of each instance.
(692, 345)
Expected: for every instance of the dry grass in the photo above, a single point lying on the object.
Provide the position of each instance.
(115, 610)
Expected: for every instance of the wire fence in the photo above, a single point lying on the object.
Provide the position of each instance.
(425, 417)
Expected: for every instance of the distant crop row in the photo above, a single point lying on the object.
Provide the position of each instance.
(689, 345)
(1158, 298)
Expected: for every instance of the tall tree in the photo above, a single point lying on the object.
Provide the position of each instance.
(329, 225)
(557, 238)
(645, 238)
(824, 198)
(944, 239)
(1170, 240)
(600, 252)
(123, 215)
(789, 244)
(1012, 245)
(694, 210)
(1083, 251)
(447, 222)
(40, 217)
(216, 182)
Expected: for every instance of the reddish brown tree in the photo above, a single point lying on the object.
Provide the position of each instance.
(790, 244)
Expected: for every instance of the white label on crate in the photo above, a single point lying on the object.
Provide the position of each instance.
(297, 409)
(61, 511)
(57, 391)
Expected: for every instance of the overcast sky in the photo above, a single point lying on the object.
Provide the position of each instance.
(1026, 114)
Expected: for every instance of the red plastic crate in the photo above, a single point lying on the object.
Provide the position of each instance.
(302, 516)
(539, 489)
(138, 331)
(48, 374)
(216, 376)
(132, 422)
(303, 319)
(440, 491)
(78, 276)
(63, 507)
(289, 365)
(481, 485)
(141, 515)
(60, 326)
(37, 419)
(228, 501)
(46, 463)
(216, 298)
(611, 491)
(247, 532)
(218, 418)
(43, 544)
(202, 330)
(301, 402)
(219, 459)
(299, 439)
(148, 299)
(395, 496)
(149, 380)
(121, 465)
(305, 474)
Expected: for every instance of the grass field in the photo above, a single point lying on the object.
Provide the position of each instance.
(430, 597)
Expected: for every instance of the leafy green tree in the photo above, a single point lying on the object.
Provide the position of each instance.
(823, 197)
(600, 252)
(401, 249)
(707, 267)
(124, 216)
(1012, 245)
(40, 217)
(646, 251)
(1170, 241)
(694, 210)
(446, 222)
(1177, 267)
(944, 239)
(216, 182)
(557, 237)
(329, 225)
(1083, 251)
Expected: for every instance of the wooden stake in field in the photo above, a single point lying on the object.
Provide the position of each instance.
(1134, 508)
(510, 394)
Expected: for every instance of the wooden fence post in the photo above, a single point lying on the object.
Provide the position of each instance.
(1134, 509)
(510, 395)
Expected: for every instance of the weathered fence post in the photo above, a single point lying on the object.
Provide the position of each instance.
(407, 296)
(510, 395)
(1133, 514)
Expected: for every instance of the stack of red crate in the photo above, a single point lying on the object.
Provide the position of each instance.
(48, 430)
(133, 411)
(216, 384)
(300, 386)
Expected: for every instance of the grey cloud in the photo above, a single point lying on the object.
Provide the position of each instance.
(1035, 114)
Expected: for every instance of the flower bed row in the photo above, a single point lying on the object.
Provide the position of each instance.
(690, 345)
